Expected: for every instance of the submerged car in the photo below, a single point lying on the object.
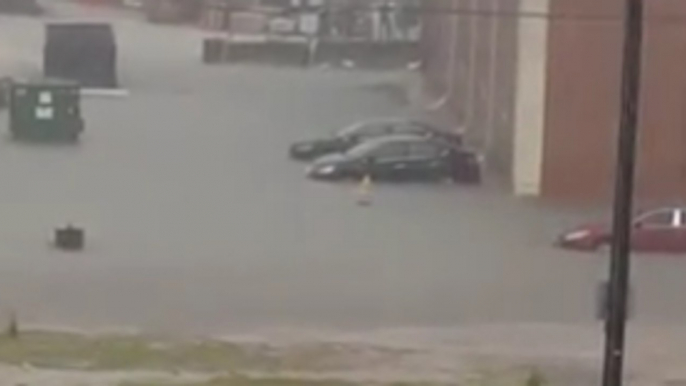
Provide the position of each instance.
(659, 230)
(353, 135)
(400, 158)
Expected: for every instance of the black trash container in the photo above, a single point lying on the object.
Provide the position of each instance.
(82, 52)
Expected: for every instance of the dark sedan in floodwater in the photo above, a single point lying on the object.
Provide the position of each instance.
(400, 158)
(659, 230)
(353, 135)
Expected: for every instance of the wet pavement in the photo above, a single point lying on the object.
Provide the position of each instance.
(197, 221)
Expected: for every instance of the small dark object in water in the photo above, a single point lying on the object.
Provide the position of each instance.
(13, 327)
(69, 238)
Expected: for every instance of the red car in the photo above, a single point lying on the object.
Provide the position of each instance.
(659, 230)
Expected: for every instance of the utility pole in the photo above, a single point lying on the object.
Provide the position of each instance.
(623, 201)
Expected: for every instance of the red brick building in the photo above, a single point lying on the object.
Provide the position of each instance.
(537, 88)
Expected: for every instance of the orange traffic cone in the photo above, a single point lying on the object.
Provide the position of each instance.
(364, 191)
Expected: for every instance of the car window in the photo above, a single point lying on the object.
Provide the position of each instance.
(409, 128)
(362, 150)
(350, 131)
(424, 150)
(661, 218)
(390, 151)
(369, 130)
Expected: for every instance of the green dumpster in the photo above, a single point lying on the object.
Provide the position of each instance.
(45, 110)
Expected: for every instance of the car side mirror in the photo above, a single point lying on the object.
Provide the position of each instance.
(369, 160)
(638, 225)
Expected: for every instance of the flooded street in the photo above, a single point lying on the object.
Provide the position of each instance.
(197, 221)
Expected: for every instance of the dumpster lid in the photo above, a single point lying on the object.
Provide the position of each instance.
(44, 81)
(80, 31)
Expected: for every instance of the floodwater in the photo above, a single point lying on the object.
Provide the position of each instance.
(197, 221)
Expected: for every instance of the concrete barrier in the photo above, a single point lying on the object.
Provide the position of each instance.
(262, 52)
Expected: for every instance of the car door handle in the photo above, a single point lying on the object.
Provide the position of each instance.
(399, 166)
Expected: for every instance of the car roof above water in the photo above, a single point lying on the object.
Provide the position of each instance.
(381, 120)
(400, 138)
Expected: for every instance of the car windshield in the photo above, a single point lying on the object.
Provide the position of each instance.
(362, 150)
(661, 217)
(352, 129)
(342, 192)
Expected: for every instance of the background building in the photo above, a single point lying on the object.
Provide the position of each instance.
(537, 87)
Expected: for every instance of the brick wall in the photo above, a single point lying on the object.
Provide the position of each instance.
(583, 102)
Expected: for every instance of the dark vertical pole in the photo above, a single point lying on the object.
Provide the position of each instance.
(619, 266)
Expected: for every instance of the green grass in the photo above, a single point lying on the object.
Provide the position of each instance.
(131, 352)
(54, 350)
(242, 381)
(245, 381)
(120, 352)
